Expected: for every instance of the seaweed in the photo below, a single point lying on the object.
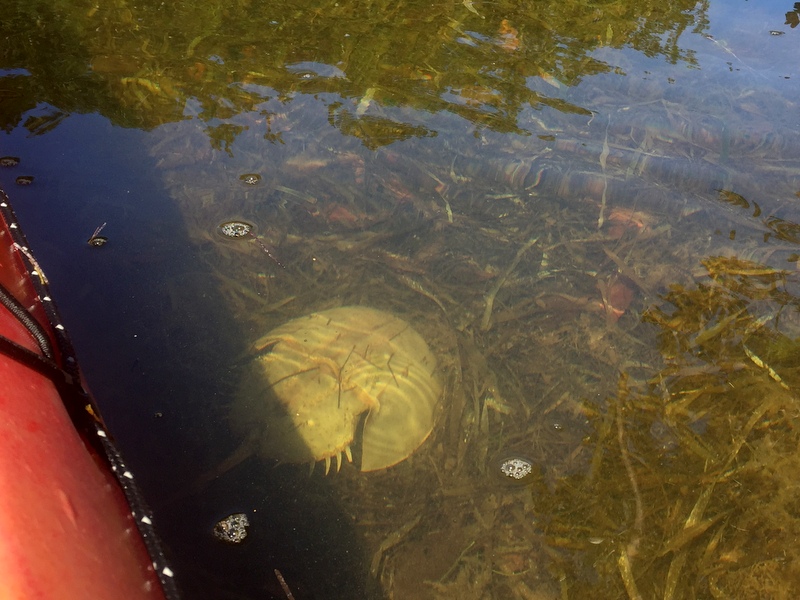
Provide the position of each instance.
(689, 490)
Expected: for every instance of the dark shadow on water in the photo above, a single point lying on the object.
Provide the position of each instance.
(294, 527)
(157, 346)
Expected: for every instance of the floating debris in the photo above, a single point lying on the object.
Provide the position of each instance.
(236, 229)
(241, 229)
(250, 178)
(232, 529)
(9, 161)
(96, 240)
(516, 468)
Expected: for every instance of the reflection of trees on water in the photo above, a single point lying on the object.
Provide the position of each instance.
(140, 64)
(793, 16)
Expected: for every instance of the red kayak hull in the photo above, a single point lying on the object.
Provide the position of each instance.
(66, 530)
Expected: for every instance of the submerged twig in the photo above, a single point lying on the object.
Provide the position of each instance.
(284, 585)
(455, 563)
(415, 285)
(267, 250)
(629, 550)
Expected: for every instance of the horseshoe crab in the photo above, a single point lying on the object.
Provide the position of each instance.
(349, 376)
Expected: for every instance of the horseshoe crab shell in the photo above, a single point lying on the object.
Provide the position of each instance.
(336, 378)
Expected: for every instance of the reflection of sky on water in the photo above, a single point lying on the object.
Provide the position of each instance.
(738, 48)
(743, 36)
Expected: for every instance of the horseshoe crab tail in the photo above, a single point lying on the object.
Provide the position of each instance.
(244, 451)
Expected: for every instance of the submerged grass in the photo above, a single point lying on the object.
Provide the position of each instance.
(691, 489)
(645, 366)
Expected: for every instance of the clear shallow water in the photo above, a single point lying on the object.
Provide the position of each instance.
(588, 211)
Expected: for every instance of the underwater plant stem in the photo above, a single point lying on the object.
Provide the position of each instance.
(603, 156)
(629, 550)
(626, 572)
(639, 519)
(487, 313)
(392, 540)
(673, 575)
(763, 365)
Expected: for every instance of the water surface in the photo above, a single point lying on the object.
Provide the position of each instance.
(590, 211)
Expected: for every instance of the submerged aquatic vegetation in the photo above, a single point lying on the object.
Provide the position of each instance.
(534, 306)
(556, 275)
(690, 485)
